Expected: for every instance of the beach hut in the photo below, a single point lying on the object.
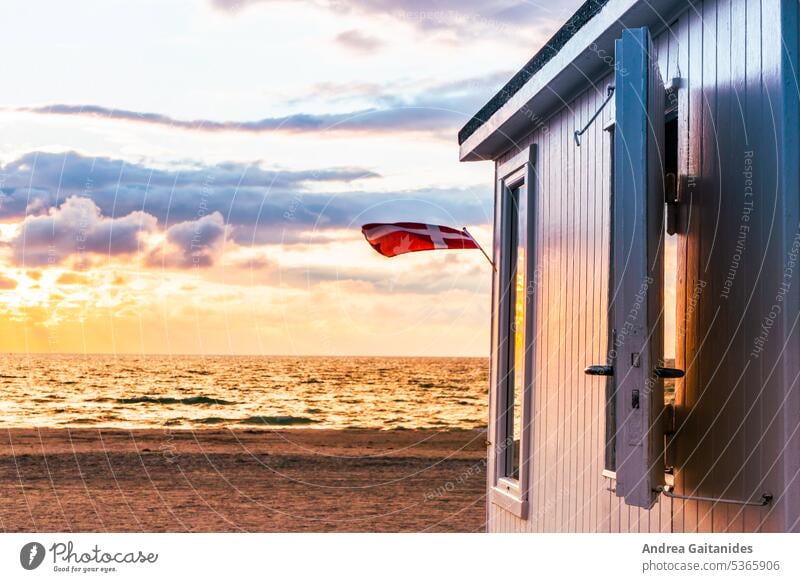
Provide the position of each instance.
(645, 334)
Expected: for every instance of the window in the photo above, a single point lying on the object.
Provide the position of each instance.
(518, 223)
(512, 328)
(670, 252)
(671, 282)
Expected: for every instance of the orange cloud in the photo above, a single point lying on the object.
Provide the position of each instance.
(72, 279)
(7, 283)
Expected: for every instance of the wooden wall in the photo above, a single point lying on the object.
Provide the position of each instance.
(738, 408)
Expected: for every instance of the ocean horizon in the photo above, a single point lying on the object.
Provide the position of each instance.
(202, 391)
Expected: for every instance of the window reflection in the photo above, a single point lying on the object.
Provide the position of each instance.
(515, 383)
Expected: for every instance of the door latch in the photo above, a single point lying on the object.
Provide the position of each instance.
(669, 372)
(599, 370)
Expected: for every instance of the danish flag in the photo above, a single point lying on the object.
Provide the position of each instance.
(392, 239)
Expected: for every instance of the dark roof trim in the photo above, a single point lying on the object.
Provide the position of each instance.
(584, 14)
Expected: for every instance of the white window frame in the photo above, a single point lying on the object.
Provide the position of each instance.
(512, 494)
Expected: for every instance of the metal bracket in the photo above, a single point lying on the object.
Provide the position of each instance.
(580, 132)
(766, 498)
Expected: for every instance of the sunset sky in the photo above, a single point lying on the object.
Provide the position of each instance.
(190, 176)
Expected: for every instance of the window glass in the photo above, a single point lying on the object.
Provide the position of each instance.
(670, 261)
(515, 383)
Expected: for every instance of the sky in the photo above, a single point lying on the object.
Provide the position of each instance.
(190, 176)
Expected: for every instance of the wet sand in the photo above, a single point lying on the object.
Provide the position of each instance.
(241, 480)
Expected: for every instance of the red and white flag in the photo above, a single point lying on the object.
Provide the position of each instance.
(392, 239)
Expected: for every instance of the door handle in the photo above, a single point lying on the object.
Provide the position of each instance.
(669, 372)
(660, 371)
(599, 370)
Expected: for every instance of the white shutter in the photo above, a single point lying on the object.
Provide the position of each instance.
(637, 300)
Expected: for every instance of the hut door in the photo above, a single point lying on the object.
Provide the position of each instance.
(637, 271)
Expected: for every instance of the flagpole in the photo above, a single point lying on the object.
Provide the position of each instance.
(481, 249)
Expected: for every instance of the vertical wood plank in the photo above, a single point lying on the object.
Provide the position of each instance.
(570, 207)
(607, 511)
(591, 476)
(752, 429)
(682, 303)
(772, 248)
(723, 368)
(574, 200)
(550, 404)
(790, 185)
(687, 434)
(737, 447)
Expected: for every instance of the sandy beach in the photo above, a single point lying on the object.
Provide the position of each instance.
(241, 480)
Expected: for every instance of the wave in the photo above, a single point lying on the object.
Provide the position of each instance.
(277, 420)
(212, 420)
(170, 400)
(250, 420)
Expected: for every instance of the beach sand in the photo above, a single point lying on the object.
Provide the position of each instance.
(241, 480)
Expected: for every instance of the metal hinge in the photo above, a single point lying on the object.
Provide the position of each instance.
(671, 199)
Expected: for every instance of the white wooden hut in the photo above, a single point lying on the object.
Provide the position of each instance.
(661, 225)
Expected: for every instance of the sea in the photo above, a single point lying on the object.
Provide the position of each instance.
(194, 392)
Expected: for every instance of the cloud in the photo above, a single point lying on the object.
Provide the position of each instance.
(7, 283)
(72, 279)
(71, 170)
(424, 107)
(259, 206)
(359, 42)
(232, 5)
(292, 220)
(77, 227)
(401, 118)
(485, 17)
(37, 181)
(194, 243)
(298, 123)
